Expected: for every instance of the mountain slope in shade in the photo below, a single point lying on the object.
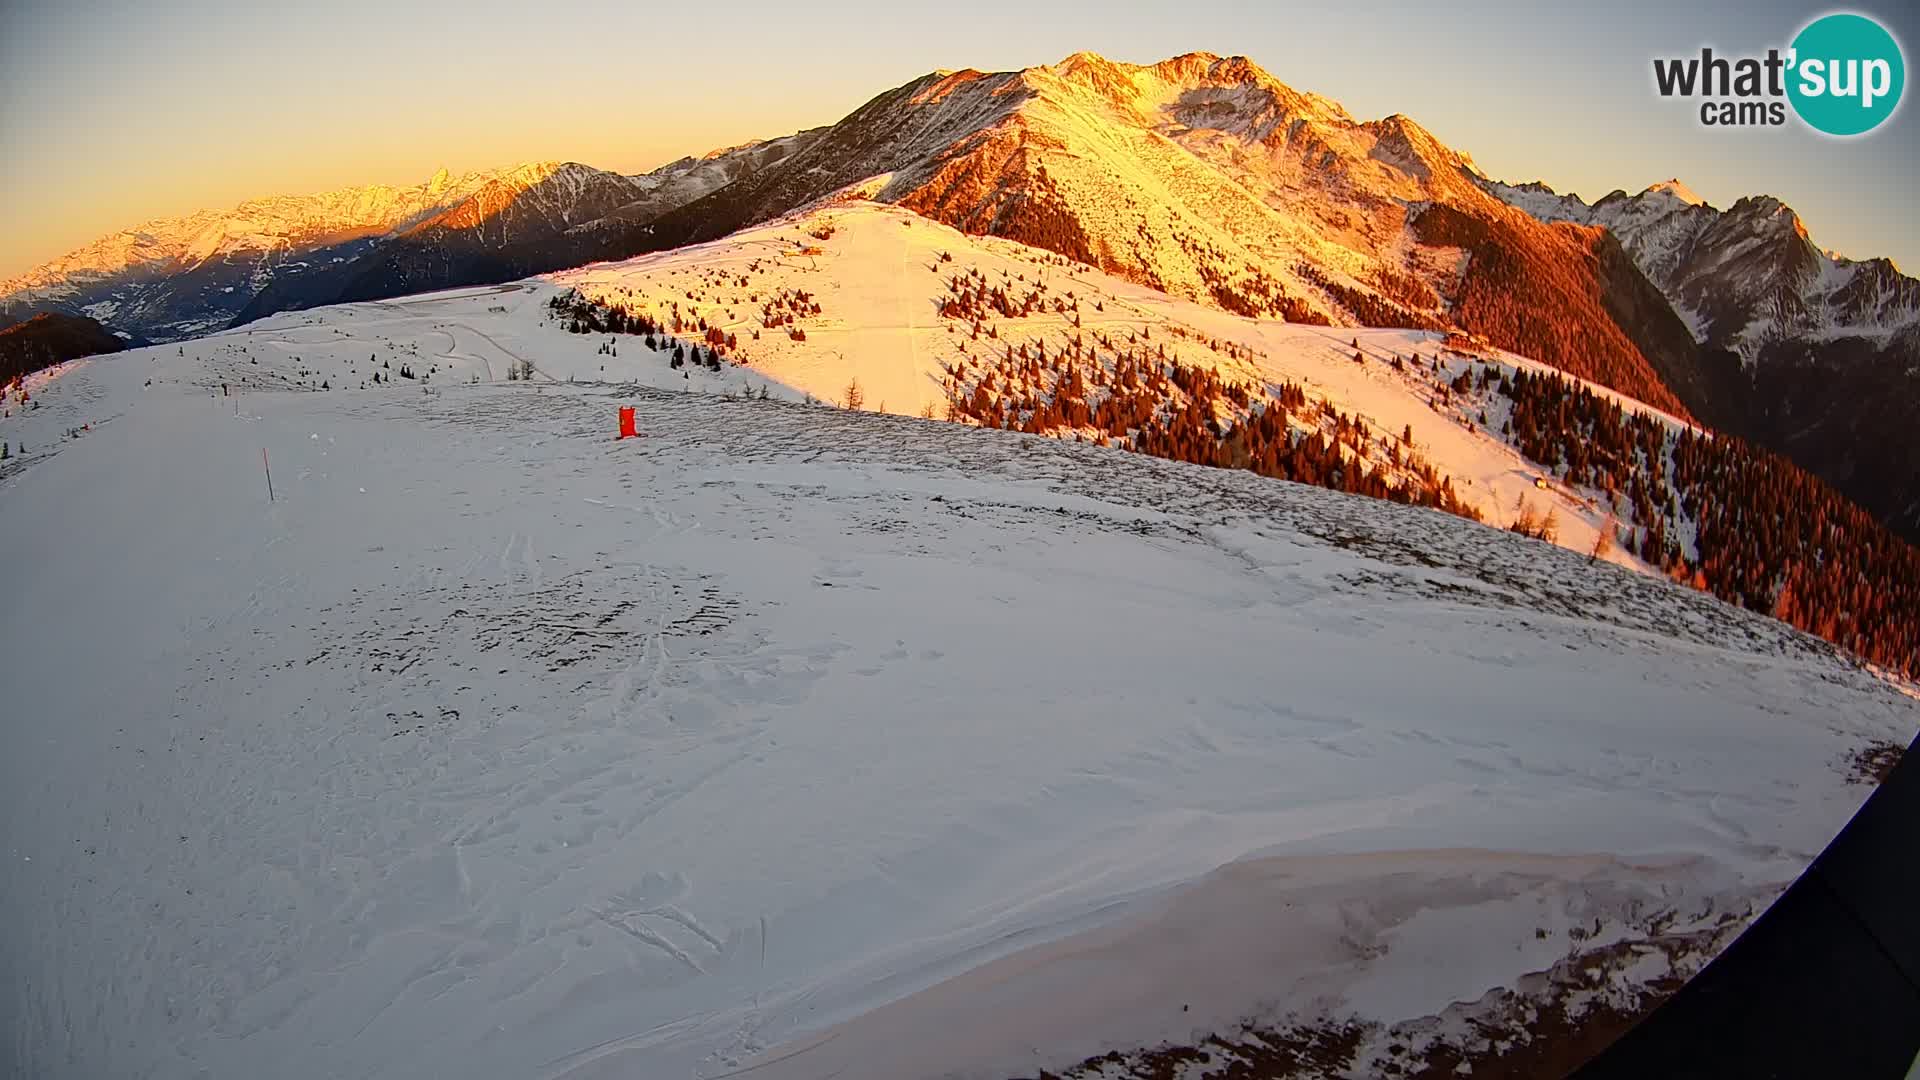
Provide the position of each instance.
(51, 338)
(1207, 178)
(540, 218)
(680, 182)
(1807, 352)
(509, 228)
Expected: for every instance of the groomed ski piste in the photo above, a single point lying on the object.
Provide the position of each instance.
(801, 742)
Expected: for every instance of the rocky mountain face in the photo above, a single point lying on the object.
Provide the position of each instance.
(1806, 352)
(1744, 277)
(1205, 177)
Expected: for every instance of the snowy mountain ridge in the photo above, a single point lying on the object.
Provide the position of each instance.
(1152, 168)
(178, 277)
(1742, 277)
(257, 225)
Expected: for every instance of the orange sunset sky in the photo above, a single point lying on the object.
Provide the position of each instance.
(117, 113)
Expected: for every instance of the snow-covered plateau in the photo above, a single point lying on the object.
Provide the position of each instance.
(808, 742)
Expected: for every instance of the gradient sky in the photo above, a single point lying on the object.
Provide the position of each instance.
(114, 113)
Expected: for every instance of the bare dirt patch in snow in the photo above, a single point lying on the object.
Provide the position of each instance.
(1872, 764)
(1548, 1024)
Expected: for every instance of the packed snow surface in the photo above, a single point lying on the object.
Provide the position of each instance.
(794, 738)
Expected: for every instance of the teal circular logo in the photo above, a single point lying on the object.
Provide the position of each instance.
(1847, 74)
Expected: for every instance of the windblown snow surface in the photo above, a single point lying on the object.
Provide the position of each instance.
(806, 741)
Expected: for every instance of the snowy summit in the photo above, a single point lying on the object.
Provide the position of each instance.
(1675, 189)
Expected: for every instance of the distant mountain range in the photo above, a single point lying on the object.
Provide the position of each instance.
(177, 277)
(509, 228)
(1201, 176)
(174, 278)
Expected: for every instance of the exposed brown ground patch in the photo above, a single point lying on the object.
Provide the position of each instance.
(1872, 764)
(1548, 1025)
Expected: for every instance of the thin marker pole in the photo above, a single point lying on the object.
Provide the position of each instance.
(269, 471)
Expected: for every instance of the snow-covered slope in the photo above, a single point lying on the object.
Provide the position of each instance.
(882, 277)
(495, 747)
(856, 298)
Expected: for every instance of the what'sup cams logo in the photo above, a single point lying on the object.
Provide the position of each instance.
(1843, 75)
